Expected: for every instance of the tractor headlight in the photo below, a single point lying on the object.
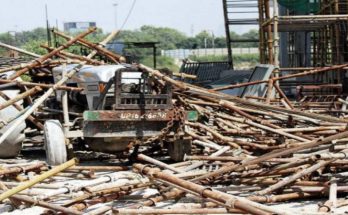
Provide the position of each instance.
(92, 87)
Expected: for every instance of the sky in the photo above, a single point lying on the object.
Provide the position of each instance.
(188, 16)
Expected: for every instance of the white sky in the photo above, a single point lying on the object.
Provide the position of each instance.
(184, 15)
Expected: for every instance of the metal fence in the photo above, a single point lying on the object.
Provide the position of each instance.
(205, 71)
(185, 53)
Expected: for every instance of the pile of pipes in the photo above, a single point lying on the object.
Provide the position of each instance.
(247, 156)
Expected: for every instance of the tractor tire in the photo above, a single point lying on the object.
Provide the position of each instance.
(55, 147)
(12, 145)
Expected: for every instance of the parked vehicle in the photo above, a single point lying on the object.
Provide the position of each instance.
(123, 106)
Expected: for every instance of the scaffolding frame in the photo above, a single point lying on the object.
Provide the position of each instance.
(233, 10)
(324, 29)
(324, 36)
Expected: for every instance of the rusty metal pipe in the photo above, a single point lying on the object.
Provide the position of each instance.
(201, 163)
(222, 198)
(47, 205)
(174, 211)
(74, 56)
(230, 141)
(112, 56)
(31, 84)
(214, 158)
(282, 94)
(274, 155)
(100, 168)
(92, 193)
(101, 199)
(38, 124)
(47, 63)
(17, 170)
(263, 127)
(158, 163)
(294, 177)
(19, 97)
(37, 179)
(45, 57)
(310, 72)
(221, 96)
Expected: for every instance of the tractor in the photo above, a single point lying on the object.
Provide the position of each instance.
(122, 107)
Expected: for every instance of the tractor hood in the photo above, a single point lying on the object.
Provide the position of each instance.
(88, 73)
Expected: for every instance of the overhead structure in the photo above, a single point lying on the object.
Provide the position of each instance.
(294, 35)
(236, 14)
(312, 33)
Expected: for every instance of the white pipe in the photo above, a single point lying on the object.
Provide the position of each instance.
(19, 50)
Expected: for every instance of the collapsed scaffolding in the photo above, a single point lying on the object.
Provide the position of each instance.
(296, 36)
(274, 151)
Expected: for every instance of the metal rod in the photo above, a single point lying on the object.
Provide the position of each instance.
(45, 57)
(172, 211)
(222, 198)
(158, 163)
(26, 199)
(19, 97)
(37, 179)
(19, 50)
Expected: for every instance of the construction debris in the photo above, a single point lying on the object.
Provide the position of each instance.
(248, 155)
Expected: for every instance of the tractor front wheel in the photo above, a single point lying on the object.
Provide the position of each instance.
(55, 147)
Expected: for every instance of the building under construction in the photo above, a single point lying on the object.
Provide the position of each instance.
(296, 36)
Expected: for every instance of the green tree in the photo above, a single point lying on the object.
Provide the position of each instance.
(189, 43)
(8, 39)
(27, 36)
(168, 38)
(252, 35)
(204, 38)
(34, 46)
(220, 42)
